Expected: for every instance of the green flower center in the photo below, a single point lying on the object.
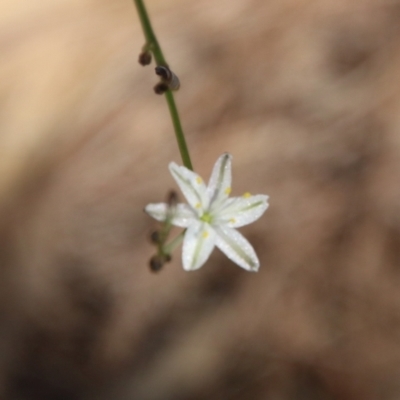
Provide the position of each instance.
(206, 217)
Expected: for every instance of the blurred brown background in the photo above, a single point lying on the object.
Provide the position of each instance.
(306, 95)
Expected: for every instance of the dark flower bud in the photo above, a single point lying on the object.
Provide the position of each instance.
(156, 263)
(145, 58)
(172, 198)
(155, 237)
(160, 88)
(168, 77)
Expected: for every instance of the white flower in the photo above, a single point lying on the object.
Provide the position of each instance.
(211, 216)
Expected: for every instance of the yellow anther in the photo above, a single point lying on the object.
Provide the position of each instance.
(232, 220)
(228, 190)
(246, 195)
(199, 180)
(205, 234)
(198, 205)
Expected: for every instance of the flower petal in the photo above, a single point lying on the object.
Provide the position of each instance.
(181, 215)
(219, 186)
(191, 185)
(240, 211)
(236, 248)
(157, 210)
(198, 244)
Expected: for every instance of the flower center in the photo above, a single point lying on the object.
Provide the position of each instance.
(206, 217)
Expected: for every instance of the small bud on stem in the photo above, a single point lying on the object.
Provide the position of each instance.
(144, 58)
(160, 88)
(168, 77)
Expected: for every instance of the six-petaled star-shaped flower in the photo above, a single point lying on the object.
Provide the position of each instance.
(211, 216)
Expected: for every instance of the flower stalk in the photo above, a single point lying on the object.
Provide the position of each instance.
(153, 46)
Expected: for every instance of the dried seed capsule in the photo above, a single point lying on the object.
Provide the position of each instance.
(168, 77)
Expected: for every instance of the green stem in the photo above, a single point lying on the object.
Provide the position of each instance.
(154, 47)
(168, 248)
(180, 136)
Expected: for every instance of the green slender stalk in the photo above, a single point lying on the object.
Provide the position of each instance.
(153, 45)
(168, 248)
(180, 136)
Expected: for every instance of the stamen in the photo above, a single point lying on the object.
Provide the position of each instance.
(246, 195)
(198, 205)
(232, 220)
(228, 190)
(199, 180)
(205, 234)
